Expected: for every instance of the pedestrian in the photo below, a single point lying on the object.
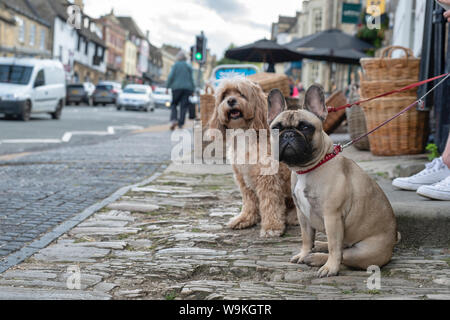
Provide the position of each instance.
(181, 81)
(434, 181)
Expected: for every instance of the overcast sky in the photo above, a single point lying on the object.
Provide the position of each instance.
(177, 22)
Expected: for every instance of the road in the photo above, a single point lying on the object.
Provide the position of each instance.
(58, 180)
(42, 133)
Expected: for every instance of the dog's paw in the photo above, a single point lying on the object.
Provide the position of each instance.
(299, 258)
(271, 233)
(316, 259)
(328, 270)
(320, 246)
(242, 221)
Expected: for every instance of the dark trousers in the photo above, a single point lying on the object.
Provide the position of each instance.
(180, 97)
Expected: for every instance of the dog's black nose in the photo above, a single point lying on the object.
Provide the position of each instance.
(232, 102)
(289, 135)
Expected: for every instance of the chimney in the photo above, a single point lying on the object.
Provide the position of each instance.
(147, 35)
(79, 3)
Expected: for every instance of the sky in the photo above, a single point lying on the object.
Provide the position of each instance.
(176, 22)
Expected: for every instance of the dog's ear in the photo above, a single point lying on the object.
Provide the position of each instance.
(258, 103)
(315, 101)
(277, 104)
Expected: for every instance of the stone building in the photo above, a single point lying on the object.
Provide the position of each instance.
(82, 51)
(155, 65)
(315, 16)
(136, 50)
(114, 37)
(23, 32)
(169, 54)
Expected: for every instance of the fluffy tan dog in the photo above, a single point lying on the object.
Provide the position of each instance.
(241, 104)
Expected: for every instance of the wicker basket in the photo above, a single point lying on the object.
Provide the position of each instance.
(269, 81)
(388, 68)
(357, 126)
(374, 88)
(405, 135)
(207, 104)
(334, 119)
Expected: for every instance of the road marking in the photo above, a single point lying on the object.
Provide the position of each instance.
(14, 156)
(31, 141)
(111, 130)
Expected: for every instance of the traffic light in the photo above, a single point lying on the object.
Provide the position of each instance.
(200, 49)
(192, 54)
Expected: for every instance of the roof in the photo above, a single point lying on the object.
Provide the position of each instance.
(129, 24)
(50, 9)
(25, 8)
(171, 50)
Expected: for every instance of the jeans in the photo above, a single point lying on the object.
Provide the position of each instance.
(181, 97)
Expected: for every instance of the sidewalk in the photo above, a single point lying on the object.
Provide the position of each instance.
(169, 240)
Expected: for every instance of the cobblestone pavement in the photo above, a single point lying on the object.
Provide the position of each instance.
(169, 240)
(42, 190)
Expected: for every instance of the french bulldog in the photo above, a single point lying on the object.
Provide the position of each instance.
(337, 197)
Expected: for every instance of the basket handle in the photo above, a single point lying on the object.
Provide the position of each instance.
(387, 53)
(211, 89)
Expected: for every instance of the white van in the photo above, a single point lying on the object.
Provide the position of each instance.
(31, 86)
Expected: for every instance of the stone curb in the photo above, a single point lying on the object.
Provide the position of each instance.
(32, 248)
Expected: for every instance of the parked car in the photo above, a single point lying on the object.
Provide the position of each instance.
(106, 92)
(162, 97)
(136, 97)
(31, 86)
(79, 93)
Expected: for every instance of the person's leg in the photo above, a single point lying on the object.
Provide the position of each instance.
(176, 95)
(184, 101)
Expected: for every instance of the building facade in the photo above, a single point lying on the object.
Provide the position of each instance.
(315, 16)
(155, 65)
(136, 51)
(114, 37)
(81, 51)
(169, 54)
(23, 33)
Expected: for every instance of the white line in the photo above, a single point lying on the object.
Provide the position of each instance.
(111, 130)
(31, 141)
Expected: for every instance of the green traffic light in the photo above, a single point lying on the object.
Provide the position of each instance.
(198, 56)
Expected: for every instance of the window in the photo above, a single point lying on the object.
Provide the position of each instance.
(317, 15)
(42, 42)
(314, 76)
(40, 78)
(32, 34)
(15, 74)
(21, 28)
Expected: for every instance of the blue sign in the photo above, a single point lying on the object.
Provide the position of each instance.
(229, 71)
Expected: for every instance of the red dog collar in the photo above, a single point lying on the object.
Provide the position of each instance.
(328, 157)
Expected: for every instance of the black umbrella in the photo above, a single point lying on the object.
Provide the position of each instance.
(330, 39)
(344, 56)
(264, 50)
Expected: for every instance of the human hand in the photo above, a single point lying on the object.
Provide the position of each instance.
(446, 13)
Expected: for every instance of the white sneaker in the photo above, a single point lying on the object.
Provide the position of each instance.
(438, 191)
(434, 172)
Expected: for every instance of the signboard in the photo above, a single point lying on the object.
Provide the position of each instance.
(351, 12)
(376, 7)
(228, 71)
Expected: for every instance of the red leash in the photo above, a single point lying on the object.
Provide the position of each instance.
(338, 148)
(411, 86)
(328, 157)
